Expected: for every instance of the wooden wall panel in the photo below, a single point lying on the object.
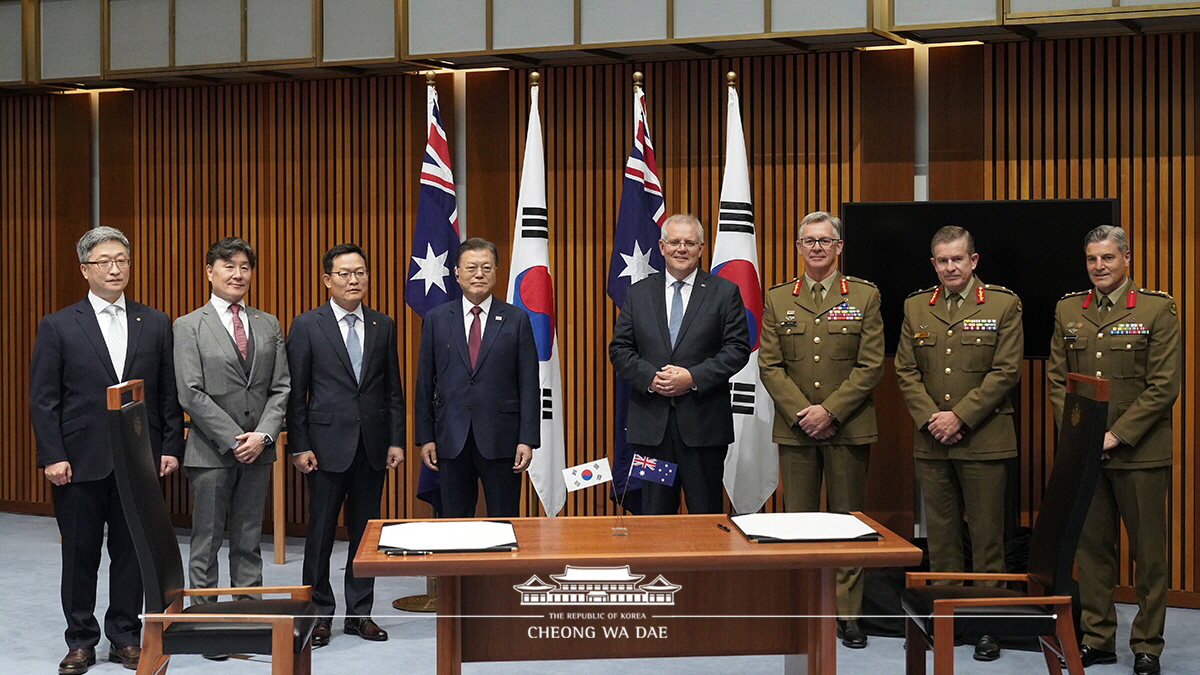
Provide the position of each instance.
(801, 117)
(293, 168)
(1110, 118)
(44, 207)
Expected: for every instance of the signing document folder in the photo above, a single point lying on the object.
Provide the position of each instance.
(425, 537)
(812, 526)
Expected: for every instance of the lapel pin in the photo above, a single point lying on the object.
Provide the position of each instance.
(499, 318)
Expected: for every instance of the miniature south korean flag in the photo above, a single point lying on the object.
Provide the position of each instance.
(587, 475)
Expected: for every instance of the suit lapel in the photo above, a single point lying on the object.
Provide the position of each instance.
(91, 328)
(329, 326)
(832, 294)
(258, 333)
(217, 332)
(939, 309)
(370, 339)
(459, 334)
(659, 301)
(700, 288)
(133, 314)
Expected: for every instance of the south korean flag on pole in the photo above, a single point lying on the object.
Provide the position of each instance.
(752, 464)
(531, 288)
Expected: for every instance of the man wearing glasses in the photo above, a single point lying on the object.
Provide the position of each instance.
(478, 403)
(345, 428)
(958, 360)
(680, 337)
(79, 352)
(821, 355)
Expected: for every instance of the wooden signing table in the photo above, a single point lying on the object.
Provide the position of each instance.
(733, 597)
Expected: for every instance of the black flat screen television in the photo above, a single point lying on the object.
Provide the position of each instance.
(1034, 247)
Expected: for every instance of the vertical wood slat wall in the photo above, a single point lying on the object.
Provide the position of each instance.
(799, 119)
(293, 168)
(1103, 118)
(26, 214)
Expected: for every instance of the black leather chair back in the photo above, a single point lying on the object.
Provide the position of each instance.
(1068, 493)
(144, 506)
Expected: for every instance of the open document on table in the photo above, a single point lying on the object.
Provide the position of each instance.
(425, 537)
(778, 527)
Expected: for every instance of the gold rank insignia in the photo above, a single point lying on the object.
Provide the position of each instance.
(921, 335)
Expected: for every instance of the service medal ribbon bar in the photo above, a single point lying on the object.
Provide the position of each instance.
(981, 324)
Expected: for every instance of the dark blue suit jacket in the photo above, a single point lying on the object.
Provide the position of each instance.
(713, 344)
(499, 398)
(327, 409)
(69, 372)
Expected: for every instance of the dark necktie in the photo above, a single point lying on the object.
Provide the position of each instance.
(1105, 306)
(953, 302)
(818, 292)
(239, 330)
(475, 336)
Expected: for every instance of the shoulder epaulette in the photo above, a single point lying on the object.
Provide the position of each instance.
(1001, 289)
(791, 281)
(859, 281)
(1071, 295)
(922, 290)
(1161, 294)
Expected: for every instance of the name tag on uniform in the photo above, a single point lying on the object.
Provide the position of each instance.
(788, 323)
(1069, 338)
(981, 324)
(845, 312)
(921, 335)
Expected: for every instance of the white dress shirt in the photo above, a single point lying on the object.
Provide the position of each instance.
(117, 340)
(468, 317)
(226, 316)
(686, 292)
(340, 315)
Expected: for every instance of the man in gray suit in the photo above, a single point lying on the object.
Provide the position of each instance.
(231, 373)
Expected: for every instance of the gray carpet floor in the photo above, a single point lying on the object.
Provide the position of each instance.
(33, 624)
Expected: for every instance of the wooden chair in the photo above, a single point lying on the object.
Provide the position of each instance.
(282, 628)
(1043, 610)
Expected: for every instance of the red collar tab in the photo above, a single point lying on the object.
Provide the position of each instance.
(979, 294)
(936, 293)
(1087, 302)
(1131, 299)
(845, 286)
(797, 286)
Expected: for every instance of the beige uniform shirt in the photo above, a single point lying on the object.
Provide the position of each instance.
(831, 354)
(1136, 347)
(969, 364)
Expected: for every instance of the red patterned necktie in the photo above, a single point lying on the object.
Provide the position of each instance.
(475, 336)
(239, 331)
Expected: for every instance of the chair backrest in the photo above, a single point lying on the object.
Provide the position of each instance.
(1068, 493)
(144, 506)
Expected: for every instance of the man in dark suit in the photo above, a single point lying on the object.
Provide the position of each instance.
(478, 406)
(678, 340)
(232, 376)
(1129, 336)
(345, 428)
(99, 341)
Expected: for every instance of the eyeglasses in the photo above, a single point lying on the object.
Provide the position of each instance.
(472, 270)
(686, 243)
(106, 265)
(346, 276)
(825, 242)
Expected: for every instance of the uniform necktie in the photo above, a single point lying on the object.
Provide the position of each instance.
(818, 292)
(353, 348)
(475, 336)
(115, 338)
(676, 319)
(239, 330)
(1105, 306)
(953, 300)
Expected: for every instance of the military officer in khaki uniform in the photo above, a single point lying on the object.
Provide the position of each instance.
(821, 355)
(958, 360)
(1129, 336)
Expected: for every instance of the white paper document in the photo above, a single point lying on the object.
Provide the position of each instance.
(441, 537)
(765, 527)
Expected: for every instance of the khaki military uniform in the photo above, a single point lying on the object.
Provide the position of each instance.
(1135, 346)
(831, 354)
(969, 365)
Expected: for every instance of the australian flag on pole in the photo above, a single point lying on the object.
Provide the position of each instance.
(436, 237)
(635, 256)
